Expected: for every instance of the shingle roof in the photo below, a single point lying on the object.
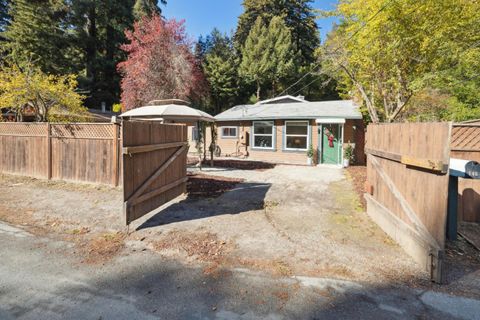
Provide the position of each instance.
(301, 110)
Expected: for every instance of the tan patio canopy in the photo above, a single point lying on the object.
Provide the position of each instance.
(169, 110)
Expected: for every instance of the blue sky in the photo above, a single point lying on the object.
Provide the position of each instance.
(202, 16)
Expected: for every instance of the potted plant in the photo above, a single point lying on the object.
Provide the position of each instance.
(347, 155)
(310, 154)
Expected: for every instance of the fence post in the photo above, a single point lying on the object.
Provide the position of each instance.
(49, 152)
(116, 142)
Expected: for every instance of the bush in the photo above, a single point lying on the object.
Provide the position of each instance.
(348, 152)
(310, 151)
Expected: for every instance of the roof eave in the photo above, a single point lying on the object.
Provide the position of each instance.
(357, 117)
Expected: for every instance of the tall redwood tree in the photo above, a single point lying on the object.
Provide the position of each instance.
(160, 63)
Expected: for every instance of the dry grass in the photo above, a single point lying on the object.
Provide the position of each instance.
(358, 175)
(101, 248)
(93, 248)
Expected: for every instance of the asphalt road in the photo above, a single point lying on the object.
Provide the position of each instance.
(39, 280)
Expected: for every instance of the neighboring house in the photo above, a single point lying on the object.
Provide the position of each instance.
(280, 130)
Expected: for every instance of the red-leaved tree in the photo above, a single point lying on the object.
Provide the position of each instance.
(160, 63)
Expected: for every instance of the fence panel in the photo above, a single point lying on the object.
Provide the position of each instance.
(23, 149)
(466, 145)
(154, 165)
(407, 188)
(85, 152)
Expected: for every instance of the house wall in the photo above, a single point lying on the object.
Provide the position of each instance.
(234, 147)
(354, 133)
(192, 144)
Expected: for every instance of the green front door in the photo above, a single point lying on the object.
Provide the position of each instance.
(330, 143)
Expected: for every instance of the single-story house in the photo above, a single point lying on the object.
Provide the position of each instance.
(280, 130)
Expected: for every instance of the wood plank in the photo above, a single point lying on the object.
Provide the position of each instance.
(384, 154)
(156, 174)
(152, 147)
(434, 165)
(115, 167)
(49, 152)
(157, 192)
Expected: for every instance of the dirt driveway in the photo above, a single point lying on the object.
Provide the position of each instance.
(288, 220)
(275, 243)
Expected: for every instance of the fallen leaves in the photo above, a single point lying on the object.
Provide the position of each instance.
(101, 248)
(201, 246)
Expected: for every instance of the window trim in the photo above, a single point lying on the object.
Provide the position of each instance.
(285, 135)
(229, 137)
(273, 135)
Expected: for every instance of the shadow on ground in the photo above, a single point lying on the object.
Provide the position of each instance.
(242, 197)
(146, 288)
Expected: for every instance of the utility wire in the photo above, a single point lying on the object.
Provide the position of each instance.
(339, 47)
(363, 46)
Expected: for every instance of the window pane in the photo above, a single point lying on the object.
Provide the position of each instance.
(229, 132)
(297, 142)
(300, 128)
(263, 141)
(263, 127)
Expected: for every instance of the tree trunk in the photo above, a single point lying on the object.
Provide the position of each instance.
(258, 90)
(110, 56)
(370, 106)
(91, 48)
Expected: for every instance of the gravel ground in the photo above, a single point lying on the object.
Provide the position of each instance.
(38, 282)
(282, 243)
(286, 220)
(283, 221)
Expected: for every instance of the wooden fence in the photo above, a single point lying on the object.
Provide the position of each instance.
(466, 145)
(83, 152)
(407, 187)
(155, 165)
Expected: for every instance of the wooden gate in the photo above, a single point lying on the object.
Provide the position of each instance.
(154, 165)
(407, 187)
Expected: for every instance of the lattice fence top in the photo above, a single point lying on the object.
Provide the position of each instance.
(23, 129)
(84, 130)
(465, 138)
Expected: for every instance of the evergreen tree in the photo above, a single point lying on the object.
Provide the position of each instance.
(220, 68)
(147, 8)
(268, 55)
(38, 34)
(99, 31)
(298, 15)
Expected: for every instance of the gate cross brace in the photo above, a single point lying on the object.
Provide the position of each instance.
(155, 175)
(419, 226)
